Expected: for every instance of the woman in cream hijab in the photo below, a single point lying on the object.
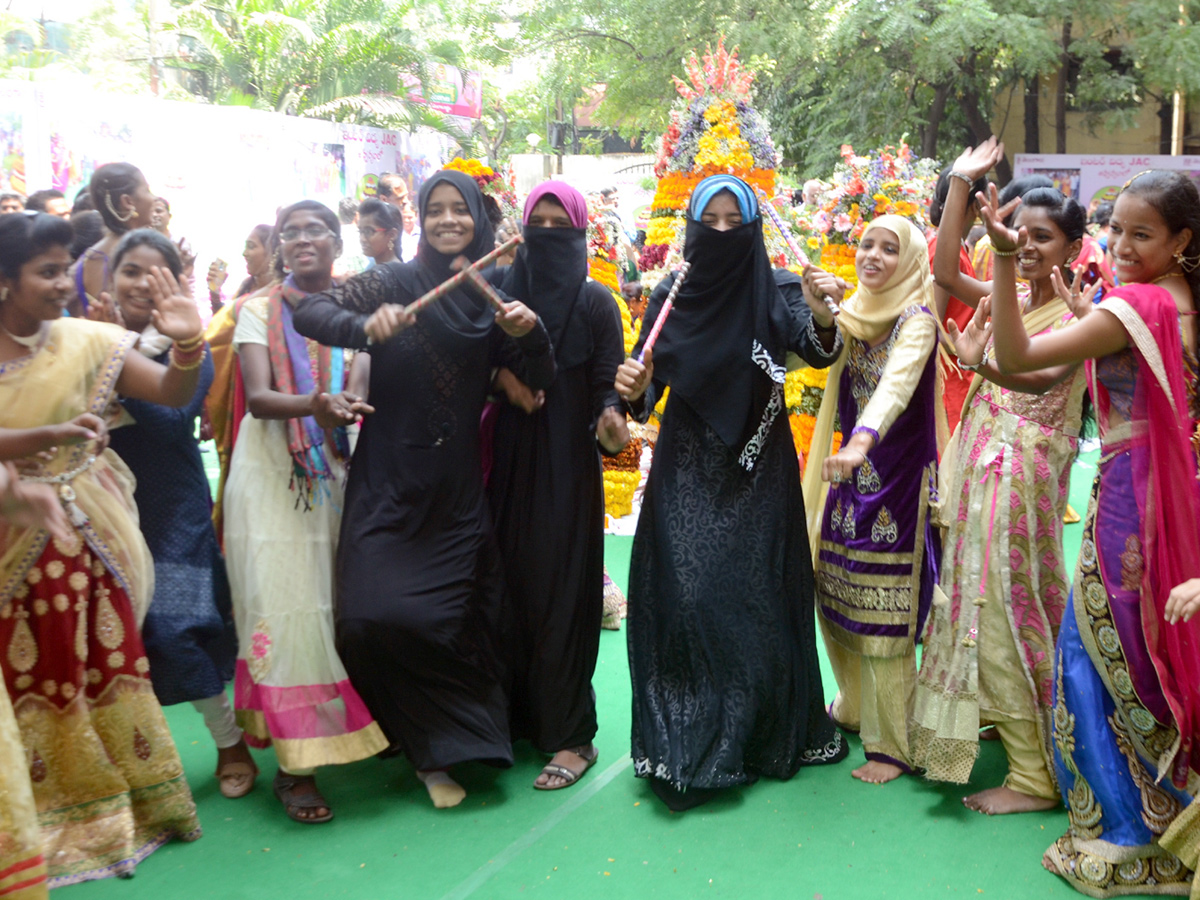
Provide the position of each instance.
(875, 551)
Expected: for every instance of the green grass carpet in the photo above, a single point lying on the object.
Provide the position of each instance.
(821, 836)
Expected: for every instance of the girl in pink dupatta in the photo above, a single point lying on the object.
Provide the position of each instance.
(1127, 691)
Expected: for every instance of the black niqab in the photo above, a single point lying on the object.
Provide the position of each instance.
(726, 335)
(548, 276)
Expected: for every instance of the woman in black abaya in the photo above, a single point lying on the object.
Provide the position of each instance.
(546, 489)
(722, 651)
(420, 592)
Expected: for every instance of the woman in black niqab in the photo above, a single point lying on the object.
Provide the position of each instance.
(546, 490)
(722, 645)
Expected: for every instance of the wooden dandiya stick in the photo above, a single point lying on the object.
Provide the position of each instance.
(482, 285)
(785, 233)
(455, 280)
(667, 306)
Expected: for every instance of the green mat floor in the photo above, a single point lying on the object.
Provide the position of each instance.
(821, 836)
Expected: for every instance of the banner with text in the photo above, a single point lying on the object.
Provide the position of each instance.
(1095, 178)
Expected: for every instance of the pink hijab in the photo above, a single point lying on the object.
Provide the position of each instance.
(570, 199)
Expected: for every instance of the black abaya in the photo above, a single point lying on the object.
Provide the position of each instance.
(548, 504)
(420, 593)
(721, 631)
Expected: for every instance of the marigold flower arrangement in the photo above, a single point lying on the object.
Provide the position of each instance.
(622, 473)
(713, 129)
(499, 187)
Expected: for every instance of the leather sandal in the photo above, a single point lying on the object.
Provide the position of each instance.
(285, 789)
(569, 776)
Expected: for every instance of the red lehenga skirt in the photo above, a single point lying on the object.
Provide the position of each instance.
(107, 780)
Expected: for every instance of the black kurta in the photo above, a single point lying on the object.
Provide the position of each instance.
(420, 593)
(722, 643)
(547, 498)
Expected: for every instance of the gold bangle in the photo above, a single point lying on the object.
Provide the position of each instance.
(190, 344)
(185, 361)
(1005, 253)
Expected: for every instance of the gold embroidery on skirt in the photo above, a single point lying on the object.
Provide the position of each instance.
(1132, 564)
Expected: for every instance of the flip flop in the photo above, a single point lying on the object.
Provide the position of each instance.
(285, 789)
(569, 777)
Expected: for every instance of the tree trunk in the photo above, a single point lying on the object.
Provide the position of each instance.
(1033, 137)
(929, 139)
(981, 130)
(1166, 114)
(1060, 99)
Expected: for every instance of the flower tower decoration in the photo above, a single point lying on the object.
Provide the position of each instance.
(886, 181)
(621, 472)
(713, 129)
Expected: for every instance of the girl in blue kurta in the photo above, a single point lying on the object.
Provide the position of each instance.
(188, 631)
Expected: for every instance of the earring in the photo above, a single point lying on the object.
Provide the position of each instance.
(1187, 263)
(120, 218)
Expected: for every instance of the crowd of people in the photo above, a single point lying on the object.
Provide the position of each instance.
(405, 555)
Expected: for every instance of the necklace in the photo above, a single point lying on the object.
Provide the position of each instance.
(31, 343)
(1166, 276)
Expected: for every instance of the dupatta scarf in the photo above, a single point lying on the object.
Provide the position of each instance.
(869, 315)
(1165, 484)
(292, 372)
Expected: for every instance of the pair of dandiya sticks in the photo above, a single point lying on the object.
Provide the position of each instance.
(470, 274)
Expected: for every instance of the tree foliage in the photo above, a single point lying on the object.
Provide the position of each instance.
(868, 71)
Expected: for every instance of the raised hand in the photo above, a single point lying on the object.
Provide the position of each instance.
(1004, 238)
(175, 313)
(969, 345)
(1080, 302)
(387, 322)
(633, 377)
(105, 310)
(975, 162)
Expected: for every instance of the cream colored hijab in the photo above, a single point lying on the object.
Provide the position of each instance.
(867, 315)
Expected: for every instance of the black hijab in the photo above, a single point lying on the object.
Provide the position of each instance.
(461, 310)
(723, 345)
(548, 276)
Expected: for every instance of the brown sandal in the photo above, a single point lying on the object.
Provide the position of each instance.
(285, 789)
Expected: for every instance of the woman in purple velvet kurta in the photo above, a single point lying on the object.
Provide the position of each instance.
(876, 563)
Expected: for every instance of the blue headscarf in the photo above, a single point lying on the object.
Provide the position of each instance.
(708, 188)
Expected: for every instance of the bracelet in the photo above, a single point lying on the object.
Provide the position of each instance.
(964, 177)
(186, 360)
(190, 344)
(996, 251)
(967, 367)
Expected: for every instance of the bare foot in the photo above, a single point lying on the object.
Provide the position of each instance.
(876, 772)
(1000, 800)
(1048, 862)
(568, 759)
(444, 791)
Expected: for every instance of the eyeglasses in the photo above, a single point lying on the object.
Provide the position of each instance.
(368, 232)
(312, 232)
